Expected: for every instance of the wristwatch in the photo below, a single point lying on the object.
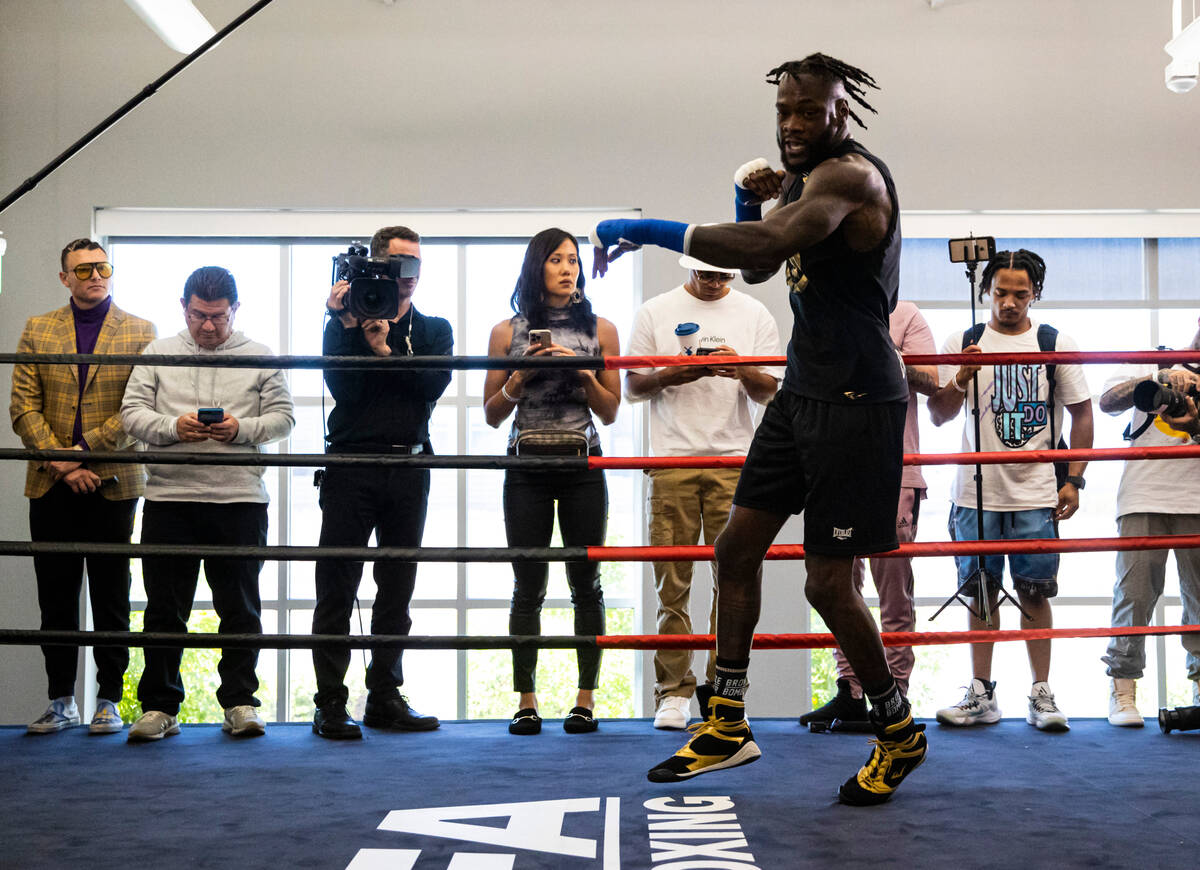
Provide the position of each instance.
(1077, 480)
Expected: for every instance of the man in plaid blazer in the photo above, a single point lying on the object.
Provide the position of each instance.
(78, 407)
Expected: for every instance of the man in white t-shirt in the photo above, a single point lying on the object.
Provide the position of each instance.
(1156, 497)
(1019, 501)
(695, 411)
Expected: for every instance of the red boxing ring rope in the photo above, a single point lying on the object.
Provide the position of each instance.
(1015, 457)
(1060, 357)
(890, 638)
(779, 552)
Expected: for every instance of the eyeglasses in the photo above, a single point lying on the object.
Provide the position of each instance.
(714, 277)
(84, 270)
(217, 320)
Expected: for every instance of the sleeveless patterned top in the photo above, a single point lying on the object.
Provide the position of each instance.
(554, 398)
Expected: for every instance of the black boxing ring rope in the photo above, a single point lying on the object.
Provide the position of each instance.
(509, 554)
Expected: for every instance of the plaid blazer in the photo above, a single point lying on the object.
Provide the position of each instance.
(45, 396)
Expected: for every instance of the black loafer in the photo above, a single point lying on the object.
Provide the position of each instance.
(395, 714)
(334, 723)
(580, 721)
(526, 722)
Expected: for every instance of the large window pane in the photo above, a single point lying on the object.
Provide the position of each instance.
(1076, 269)
(148, 280)
(1093, 269)
(1179, 268)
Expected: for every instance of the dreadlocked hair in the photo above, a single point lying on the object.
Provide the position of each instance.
(830, 69)
(1027, 261)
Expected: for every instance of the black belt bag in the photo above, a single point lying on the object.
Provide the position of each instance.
(551, 442)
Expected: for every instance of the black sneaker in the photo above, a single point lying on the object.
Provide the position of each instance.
(395, 714)
(843, 706)
(526, 722)
(720, 741)
(898, 750)
(334, 723)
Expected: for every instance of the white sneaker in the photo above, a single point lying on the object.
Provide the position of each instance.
(243, 721)
(978, 706)
(62, 713)
(1122, 704)
(106, 719)
(1043, 712)
(154, 725)
(672, 713)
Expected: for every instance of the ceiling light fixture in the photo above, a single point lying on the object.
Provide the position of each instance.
(1184, 48)
(178, 23)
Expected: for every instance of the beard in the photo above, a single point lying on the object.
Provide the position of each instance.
(818, 150)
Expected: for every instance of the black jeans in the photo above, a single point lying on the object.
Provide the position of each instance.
(354, 502)
(529, 500)
(61, 515)
(171, 589)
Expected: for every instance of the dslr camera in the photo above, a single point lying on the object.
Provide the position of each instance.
(1153, 397)
(373, 294)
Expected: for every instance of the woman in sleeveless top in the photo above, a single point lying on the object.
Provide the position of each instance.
(554, 409)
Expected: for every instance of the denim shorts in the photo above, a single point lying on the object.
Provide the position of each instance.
(1033, 573)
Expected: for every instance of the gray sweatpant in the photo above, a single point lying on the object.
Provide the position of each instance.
(1140, 579)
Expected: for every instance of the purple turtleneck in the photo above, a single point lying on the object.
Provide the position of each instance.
(87, 329)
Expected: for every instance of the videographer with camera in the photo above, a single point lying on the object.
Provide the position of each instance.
(204, 409)
(375, 412)
(1154, 498)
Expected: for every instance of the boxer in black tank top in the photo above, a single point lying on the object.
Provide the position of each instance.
(831, 443)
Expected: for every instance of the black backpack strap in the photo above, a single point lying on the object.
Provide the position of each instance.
(971, 336)
(1047, 337)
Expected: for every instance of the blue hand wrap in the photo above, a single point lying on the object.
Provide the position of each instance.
(745, 206)
(663, 234)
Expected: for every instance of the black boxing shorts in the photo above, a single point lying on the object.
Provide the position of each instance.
(838, 464)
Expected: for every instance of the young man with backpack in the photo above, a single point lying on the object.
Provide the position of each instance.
(1020, 408)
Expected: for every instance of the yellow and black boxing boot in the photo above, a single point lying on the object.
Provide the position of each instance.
(898, 749)
(721, 741)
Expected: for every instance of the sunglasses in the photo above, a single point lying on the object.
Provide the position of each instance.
(84, 270)
(714, 277)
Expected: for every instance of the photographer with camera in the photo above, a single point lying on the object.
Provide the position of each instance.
(375, 412)
(216, 411)
(1152, 501)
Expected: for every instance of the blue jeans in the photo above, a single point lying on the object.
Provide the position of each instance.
(1033, 573)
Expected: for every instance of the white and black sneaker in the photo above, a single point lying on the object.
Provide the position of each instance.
(1043, 712)
(978, 706)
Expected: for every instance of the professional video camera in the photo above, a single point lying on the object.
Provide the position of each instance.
(373, 294)
(1153, 397)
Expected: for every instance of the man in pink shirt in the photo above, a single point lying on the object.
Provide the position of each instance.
(893, 577)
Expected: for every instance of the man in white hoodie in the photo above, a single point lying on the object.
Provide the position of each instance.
(204, 504)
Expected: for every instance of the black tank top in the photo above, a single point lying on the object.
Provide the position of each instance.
(841, 350)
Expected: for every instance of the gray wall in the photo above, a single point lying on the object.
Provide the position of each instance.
(1013, 104)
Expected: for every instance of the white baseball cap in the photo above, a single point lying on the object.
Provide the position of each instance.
(701, 266)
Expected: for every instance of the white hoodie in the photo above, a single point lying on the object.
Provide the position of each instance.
(156, 396)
